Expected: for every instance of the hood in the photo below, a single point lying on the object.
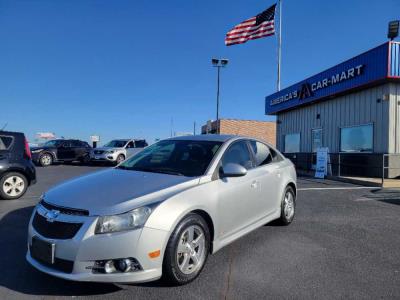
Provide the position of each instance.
(107, 148)
(115, 191)
(41, 148)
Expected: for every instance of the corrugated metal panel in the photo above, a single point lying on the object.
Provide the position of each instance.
(394, 59)
(348, 110)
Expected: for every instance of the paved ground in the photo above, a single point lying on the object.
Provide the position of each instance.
(344, 243)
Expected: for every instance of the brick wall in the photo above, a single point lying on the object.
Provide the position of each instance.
(258, 129)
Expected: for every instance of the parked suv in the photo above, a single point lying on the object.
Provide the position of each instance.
(17, 171)
(61, 150)
(117, 151)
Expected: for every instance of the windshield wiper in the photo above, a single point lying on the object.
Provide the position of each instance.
(169, 172)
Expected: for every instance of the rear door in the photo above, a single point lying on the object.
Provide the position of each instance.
(65, 151)
(267, 175)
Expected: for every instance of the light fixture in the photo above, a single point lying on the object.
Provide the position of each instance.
(393, 30)
(215, 61)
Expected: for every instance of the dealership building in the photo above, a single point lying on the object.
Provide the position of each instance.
(353, 109)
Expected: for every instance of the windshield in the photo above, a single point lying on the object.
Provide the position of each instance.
(184, 158)
(115, 144)
(52, 143)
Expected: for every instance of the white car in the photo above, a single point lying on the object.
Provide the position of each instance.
(117, 151)
(161, 212)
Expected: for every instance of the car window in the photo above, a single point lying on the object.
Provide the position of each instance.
(131, 144)
(262, 153)
(66, 144)
(5, 142)
(177, 157)
(238, 153)
(76, 144)
(140, 144)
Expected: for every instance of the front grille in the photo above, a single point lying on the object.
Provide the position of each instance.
(65, 210)
(61, 265)
(55, 229)
(98, 151)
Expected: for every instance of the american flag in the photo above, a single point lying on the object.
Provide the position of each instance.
(256, 27)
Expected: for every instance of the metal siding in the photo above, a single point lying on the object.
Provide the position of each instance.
(353, 109)
(394, 60)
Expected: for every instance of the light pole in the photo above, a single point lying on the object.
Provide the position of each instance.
(218, 63)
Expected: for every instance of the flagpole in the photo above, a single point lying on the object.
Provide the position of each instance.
(278, 83)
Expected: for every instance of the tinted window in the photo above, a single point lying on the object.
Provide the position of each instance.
(238, 153)
(181, 157)
(5, 142)
(292, 143)
(356, 138)
(76, 144)
(130, 145)
(140, 144)
(116, 144)
(261, 152)
(65, 144)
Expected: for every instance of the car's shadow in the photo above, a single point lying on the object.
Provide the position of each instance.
(19, 276)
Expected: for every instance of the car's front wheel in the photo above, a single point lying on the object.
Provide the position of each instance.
(13, 186)
(187, 250)
(120, 158)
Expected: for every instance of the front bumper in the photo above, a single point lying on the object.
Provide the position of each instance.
(86, 247)
(111, 157)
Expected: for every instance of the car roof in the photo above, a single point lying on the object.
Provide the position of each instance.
(206, 137)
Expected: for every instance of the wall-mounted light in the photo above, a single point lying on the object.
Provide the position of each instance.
(393, 30)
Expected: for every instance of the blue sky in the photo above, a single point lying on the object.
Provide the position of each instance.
(125, 68)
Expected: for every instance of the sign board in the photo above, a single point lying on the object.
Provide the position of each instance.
(321, 169)
(45, 135)
(95, 138)
(364, 69)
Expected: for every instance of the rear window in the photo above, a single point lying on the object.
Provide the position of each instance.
(5, 142)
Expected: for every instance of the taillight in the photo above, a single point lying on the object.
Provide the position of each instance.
(27, 150)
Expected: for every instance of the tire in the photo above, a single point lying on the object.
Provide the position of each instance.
(179, 264)
(120, 158)
(46, 159)
(288, 206)
(85, 159)
(13, 185)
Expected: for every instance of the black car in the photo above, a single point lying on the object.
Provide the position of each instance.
(61, 150)
(17, 171)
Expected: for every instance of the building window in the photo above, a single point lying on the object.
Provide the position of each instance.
(292, 143)
(357, 138)
(316, 136)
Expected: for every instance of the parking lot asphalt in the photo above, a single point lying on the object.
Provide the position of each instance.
(343, 243)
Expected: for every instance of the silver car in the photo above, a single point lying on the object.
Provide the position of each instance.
(117, 151)
(161, 212)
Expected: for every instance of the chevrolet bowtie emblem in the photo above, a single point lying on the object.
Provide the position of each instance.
(51, 215)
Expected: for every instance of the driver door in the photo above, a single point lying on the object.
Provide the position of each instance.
(65, 151)
(238, 202)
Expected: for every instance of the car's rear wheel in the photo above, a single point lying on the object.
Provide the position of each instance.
(288, 206)
(85, 159)
(13, 186)
(120, 158)
(187, 250)
(46, 159)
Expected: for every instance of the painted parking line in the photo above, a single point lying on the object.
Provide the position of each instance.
(338, 188)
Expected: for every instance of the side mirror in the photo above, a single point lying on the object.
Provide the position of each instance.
(233, 170)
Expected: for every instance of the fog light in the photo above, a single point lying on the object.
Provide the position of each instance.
(124, 265)
(109, 267)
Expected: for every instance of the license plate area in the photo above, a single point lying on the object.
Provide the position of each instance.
(42, 250)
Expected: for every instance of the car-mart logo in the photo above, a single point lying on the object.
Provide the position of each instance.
(308, 89)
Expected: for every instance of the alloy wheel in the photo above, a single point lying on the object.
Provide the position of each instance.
(191, 252)
(45, 160)
(14, 186)
(288, 205)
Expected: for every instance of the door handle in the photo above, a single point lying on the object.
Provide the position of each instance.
(254, 184)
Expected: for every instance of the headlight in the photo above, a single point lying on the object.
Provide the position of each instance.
(36, 151)
(131, 220)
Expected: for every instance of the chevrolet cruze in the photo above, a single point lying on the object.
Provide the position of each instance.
(161, 212)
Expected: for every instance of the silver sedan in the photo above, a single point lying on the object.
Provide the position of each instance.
(161, 212)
